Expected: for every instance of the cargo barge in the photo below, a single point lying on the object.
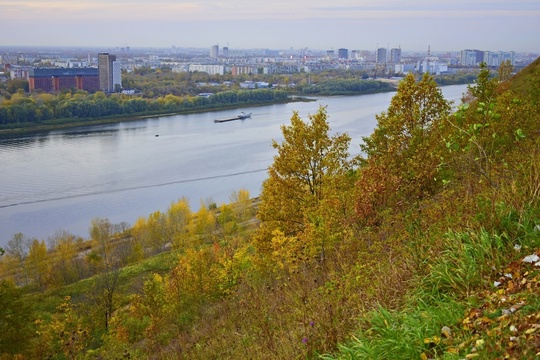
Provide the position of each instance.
(240, 116)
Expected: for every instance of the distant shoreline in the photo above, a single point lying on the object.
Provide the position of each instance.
(69, 124)
(46, 128)
(13, 133)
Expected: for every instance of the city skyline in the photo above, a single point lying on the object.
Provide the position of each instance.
(353, 24)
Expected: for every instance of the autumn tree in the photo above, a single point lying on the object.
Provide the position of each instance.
(37, 263)
(64, 333)
(400, 162)
(308, 165)
(17, 249)
(202, 226)
(178, 218)
(66, 266)
(103, 234)
(242, 205)
(156, 231)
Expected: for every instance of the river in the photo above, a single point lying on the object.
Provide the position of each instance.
(63, 179)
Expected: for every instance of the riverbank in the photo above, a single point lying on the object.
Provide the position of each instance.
(36, 129)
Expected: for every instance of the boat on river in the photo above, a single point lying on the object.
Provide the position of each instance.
(240, 116)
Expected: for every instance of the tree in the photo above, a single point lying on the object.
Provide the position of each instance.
(64, 333)
(242, 204)
(202, 226)
(308, 164)
(37, 263)
(486, 127)
(484, 89)
(156, 231)
(15, 319)
(67, 267)
(17, 249)
(403, 143)
(505, 70)
(102, 233)
(178, 218)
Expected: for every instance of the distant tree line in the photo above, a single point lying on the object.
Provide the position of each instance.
(49, 109)
(455, 79)
(347, 87)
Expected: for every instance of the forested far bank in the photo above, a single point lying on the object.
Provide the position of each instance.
(161, 91)
(47, 109)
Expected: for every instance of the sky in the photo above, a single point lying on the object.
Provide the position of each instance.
(412, 25)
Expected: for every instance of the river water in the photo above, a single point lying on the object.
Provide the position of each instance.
(63, 179)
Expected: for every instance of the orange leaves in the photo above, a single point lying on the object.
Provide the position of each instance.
(376, 187)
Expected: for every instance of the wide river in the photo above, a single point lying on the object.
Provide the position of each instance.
(63, 179)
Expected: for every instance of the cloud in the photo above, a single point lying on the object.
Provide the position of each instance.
(168, 10)
(263, 23)
(117, 10)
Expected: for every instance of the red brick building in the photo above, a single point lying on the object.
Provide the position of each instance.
(58, 79)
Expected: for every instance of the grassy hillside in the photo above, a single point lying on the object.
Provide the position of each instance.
(424, 248)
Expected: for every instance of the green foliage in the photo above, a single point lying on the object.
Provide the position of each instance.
(484, 90)
(401, 156)
(346, 87)
(16, 316)
(484, 130)
(455, 79)
(15, 85)
(64, 108)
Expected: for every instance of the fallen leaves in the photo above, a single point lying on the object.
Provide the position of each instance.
(505, 321)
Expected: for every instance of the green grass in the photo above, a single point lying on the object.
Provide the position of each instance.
(460, 278)
(403, 334)
(465, 263)
(129, 279)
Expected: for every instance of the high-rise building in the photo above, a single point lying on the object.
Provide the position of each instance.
(225, 51)
(209, 69)
(106, 72)
(508, 56)
(395, 56)
(343, 53)
(117, 74)
(381, 55)
(214, 51)
(496, 58)
(472, 57)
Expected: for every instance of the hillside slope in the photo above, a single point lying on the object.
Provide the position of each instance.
(416, 250)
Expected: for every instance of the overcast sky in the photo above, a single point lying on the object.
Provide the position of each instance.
(276, 24)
